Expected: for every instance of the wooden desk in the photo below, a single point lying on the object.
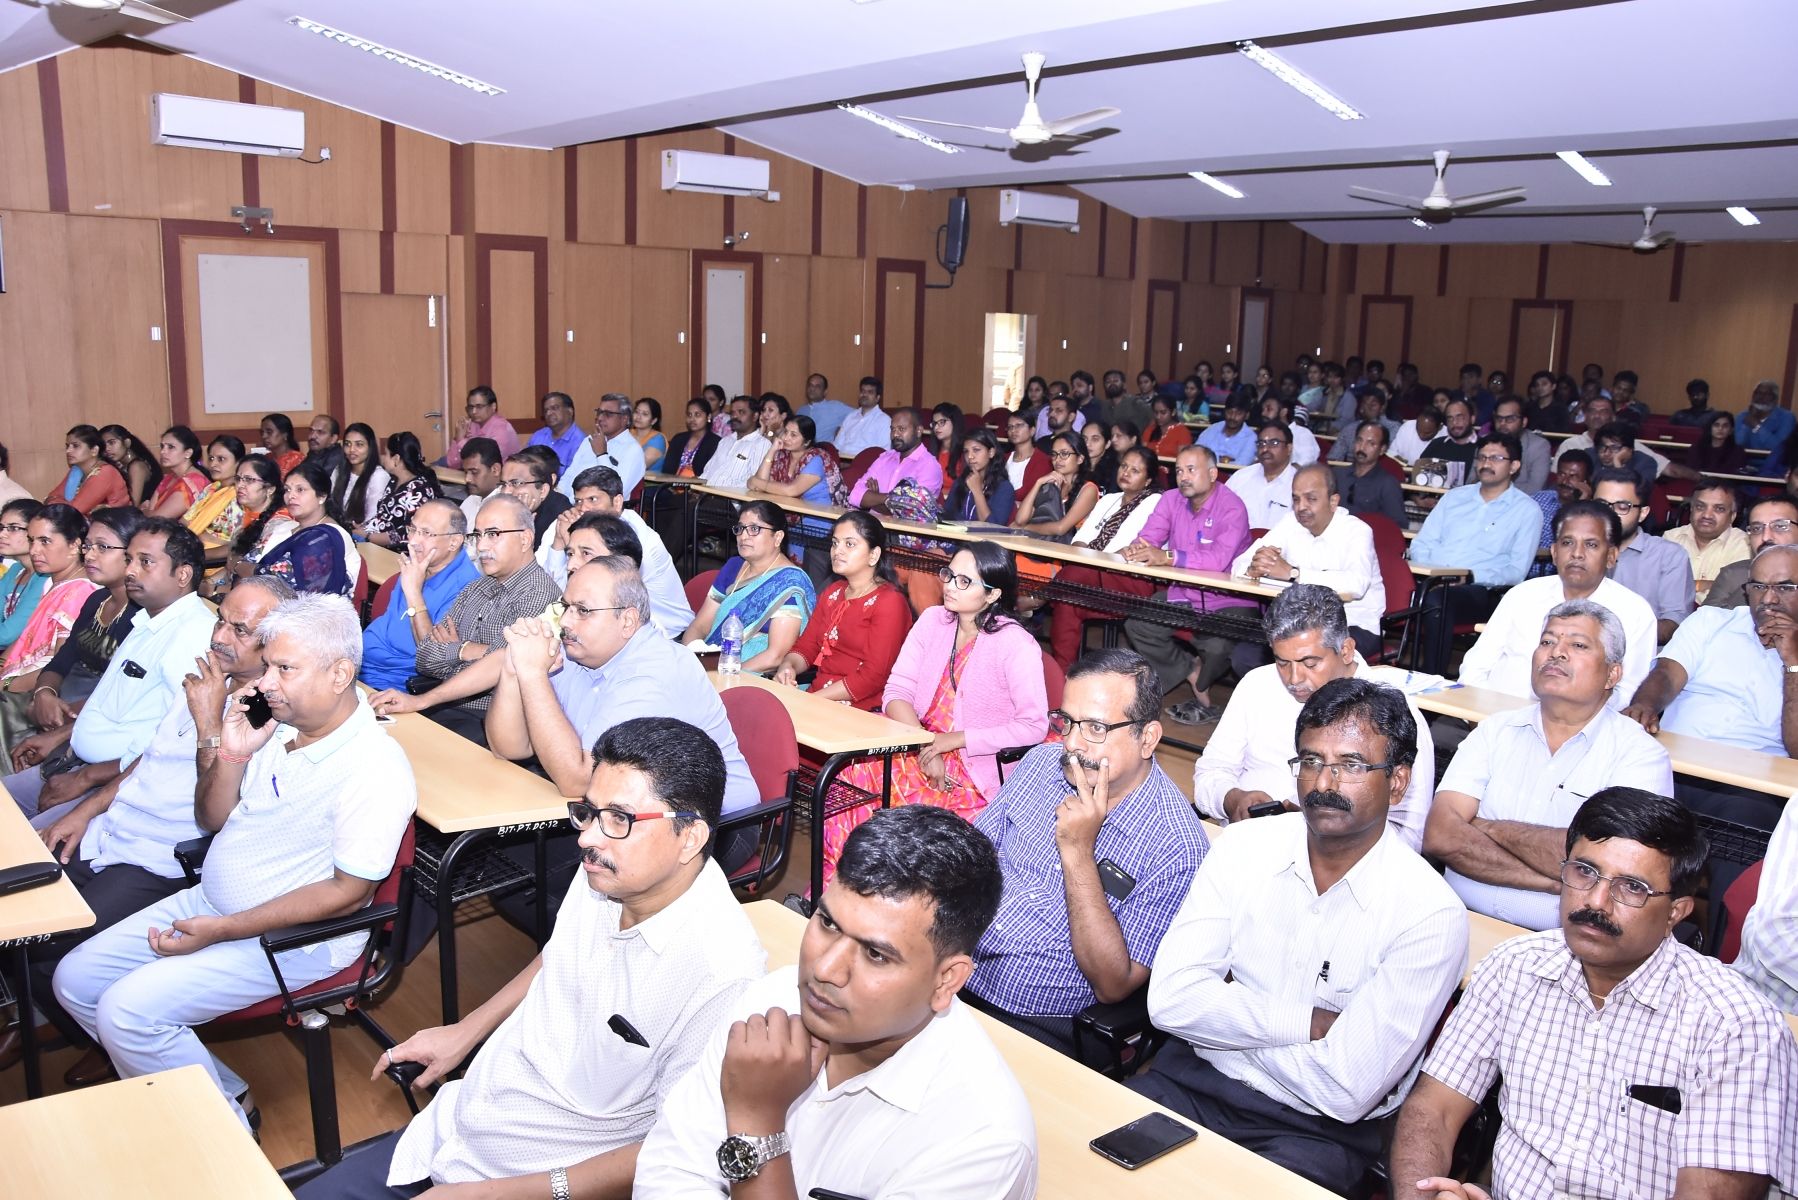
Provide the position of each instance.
(451, 475)
(383, 564)
(167, 1136)
(31, 916)
(1073, 1105)
(842, 734)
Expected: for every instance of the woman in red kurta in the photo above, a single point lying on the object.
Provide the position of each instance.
(859, 624)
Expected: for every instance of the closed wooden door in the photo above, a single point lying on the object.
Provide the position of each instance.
(394, 361)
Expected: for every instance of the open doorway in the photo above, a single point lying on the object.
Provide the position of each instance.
(1009, 351)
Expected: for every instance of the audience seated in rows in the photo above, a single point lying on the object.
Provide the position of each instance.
(483, 467)
(319, 554)
(414, 483)
(982, 492)
(1710, 538)
(1365, 485)
(868, 427)
(482, 420)
(599, 490)
(53, 586)
(761, 587)
(1115, 523)
(1265, 489)
(853, 637)
(1056, 504)
(1649, 566)
(561, 434)
(825, 414)
(529, 477)
(1771, 522)
(691, 450)
(432, 573)
(1769, 952)
(360, 483)
(1231, 440)
(610, 445)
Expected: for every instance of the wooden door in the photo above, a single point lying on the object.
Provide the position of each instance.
(899, 328)
(394, 360)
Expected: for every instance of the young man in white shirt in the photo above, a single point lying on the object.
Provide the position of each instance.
(1310, 963)
(649, 955)
(868, 427)
(860, 1071)
(1265, 489)
(600, 490)
(740, 455)
(1318, 542)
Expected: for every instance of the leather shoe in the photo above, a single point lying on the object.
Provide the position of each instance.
(94, 1067)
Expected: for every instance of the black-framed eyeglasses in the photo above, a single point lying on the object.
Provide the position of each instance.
(97, 547)
(615, 823)
(1091, 728)
(1065, 454)
(1785, 589)
(1270, 441)
(1627, 891)
(1311, 765)
(611, 412)
(956, 580)
(491, 535)
(1622, 506)
(14, 528)
(513, 485)
(740, 530)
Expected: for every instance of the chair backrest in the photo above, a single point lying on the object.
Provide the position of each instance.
(360, 594)
(1389, 546)
(858, 466)
(1054, 680)
(1738, 898)
(765, 732)
(697, 587)
(389, 891)
(383, 595)
(997, 419)
(1393, 467)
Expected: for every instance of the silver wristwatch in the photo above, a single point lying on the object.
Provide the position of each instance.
(558, 1184)
(741, 1158)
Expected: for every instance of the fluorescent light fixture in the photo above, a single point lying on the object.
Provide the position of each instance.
(1742, 215)
(1216, 185)
(1420, 223)
(1296, 79)
(397, 56)
(899, 127)
(1585, 170)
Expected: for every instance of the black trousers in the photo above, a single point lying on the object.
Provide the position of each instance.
(362, 1175)
(1329, 1153)
(1055, 1032)
(1458, 604)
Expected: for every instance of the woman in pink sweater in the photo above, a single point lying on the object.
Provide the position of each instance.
(970, 674)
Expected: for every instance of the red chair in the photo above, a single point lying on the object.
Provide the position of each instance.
(1054, 685)
(996, 420)
(697, 587)
(383, 596)
(1395, 575)
(765, 732)
(360, 593)
(1394, 468)
(1738, 899)
(858, 466)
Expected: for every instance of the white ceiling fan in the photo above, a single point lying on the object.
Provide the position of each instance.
(137, 10)
(1439, 206)
(1031, 129)
(1648, 243)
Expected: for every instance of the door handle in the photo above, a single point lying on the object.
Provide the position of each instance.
(434, 413)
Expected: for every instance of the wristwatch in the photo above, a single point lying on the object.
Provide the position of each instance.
(210, 743)
(413, 611)
(741, 1157)
(1294, 577)
(558, 1184)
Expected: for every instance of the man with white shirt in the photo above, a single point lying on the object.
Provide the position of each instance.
(600, 490)
(577, 1052)
(1769, 956)
(10, 488)
(1265, 489)
(1308, 967)
(1247, 762)
(1500, 818)
(1415, 435)
(1320, 542)
(609, 445)
(860, 1072)
(868, 427)
(739, 455)
(1586, 537)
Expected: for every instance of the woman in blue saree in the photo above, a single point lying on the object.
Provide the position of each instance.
(319, 556)
(772, 597)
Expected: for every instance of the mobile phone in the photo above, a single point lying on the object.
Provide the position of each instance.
(256, 709)
(1143, 1140)
(28, 875)
(1267, 808)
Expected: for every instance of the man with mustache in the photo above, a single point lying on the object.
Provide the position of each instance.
(1771, 522)
(1631, 1065)
(1097, 846)
(1712, 540)
(909, 458)
(859, 1071)
(1366, 486)
(651, 953)
(1311, 960)
(1503, 804)
(1265, 489)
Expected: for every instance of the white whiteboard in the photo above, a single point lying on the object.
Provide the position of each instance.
(255, 333)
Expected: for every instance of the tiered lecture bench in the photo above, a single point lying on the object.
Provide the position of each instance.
(31, 916)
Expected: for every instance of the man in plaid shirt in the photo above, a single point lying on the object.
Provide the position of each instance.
(1631, 1066)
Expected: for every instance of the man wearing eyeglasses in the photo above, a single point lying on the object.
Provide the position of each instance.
(1498, 819)
(1651, 567)
(483, 420)
(1631, 1065)
(599, 490)
(529, 477)
(1265, 488)
(433, 572)
(561, 434)
(609, 445)
(1771, 522)
(1097, 846)
(581, 1047)
(1312, 958)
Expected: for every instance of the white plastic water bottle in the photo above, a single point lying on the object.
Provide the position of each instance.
(730, 644)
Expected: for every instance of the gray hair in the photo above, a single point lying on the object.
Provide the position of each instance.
(1305, 607)
(1610, 629)
(628, 588)
(519, 509)
(1771, 548)
(616, 396)
(278, 588)
(325, 625)
(458, 520)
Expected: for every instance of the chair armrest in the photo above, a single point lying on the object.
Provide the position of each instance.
(754, 815)
(191, 854)
(1119, 1021)
(296, 937)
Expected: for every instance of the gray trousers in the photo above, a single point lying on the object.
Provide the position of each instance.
(1169, 656)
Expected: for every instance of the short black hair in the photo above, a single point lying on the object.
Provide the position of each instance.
(124, 521)
(1472, 368)
(483, 448)
(1576, 455)
(1617, 432)
(1604, 514)
(1375, 705)
(1624, 475)
(1658, 822)
(1512, 446)
(181, 544)
(1696, 387)
(684, 765)
(1077, 376)
(486, 393)
(872, 381)
(620, 539)
(923, 850)
(1710, 484)
(65, 519)
(1146, 705)
(604, 479)
(5, 458)
(1628, 377)
(545, 466)
(1278, 427)
(26, 506)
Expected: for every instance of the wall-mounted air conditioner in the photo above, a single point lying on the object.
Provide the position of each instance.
(1039, 208)
(718, 174)
(226, 125)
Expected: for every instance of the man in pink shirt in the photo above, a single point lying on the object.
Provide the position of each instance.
(483, 420)
(909, 459)
(1200, 527)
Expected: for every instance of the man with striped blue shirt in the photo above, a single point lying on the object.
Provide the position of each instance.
(1098, 847)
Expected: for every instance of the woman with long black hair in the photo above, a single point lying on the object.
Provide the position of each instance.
(415, 483)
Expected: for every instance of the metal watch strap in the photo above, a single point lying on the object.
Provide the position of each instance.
(558, 1184)
(210, 743)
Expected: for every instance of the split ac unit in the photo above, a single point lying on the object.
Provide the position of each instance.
(226, 125)
(1039, 208)
(718, 174)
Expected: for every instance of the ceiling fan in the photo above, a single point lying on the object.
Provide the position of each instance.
(135, 9)
(1031, 129)
(1648, 243)
(1439, 206)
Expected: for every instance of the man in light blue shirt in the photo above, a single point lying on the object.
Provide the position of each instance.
(433, 573)
(560, 432)
(1231, 440)
(1766, 426)
(826, 414)
(141, 683)
(1490, 528)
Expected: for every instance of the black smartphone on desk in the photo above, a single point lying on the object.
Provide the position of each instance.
(1143, 1140)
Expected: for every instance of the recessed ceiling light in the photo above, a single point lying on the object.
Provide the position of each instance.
(399, 57)
(1586, 170)
(1420, 222)
(899, 127)
(1216, 185)
(1742, 215)
(1296, 79)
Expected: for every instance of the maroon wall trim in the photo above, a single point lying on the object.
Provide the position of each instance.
(1785, 397)
(897, 266)
(861, 221)
(817, 212)
(252, 163)
(1679, 272)
(56, 162)
(571, 194)
(1260, 248)
(1170, 288)
(1186, 253)
(630, 191)
(538, 248)
(1541, 275)
(460, 201)
(1442, 270)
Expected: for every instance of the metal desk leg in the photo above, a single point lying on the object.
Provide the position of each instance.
(540, 918)
(34, 1084)
(446, 922)
(826, 776)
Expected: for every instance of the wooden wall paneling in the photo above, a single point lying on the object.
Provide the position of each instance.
(955, 337)
(590, 293)
(359, 256)
(23, 182)
(1161, 250)
(344, 191)
(837, 230)
(420, 266)
(512, 321)
(1732, 346)
(1058, 252)
(899, 330)
(836, 302)
(781, 226)
(1235, 263)
(422, 182)
(1414, 270)
(1119, 259)
(1282, 249)
(1488, 334)
(1205, 321)
(689, 220)
(601, 192)
(1306, 329)
(1540, 330)
(1602, 273)
(1199, 264)
(904, 224)
(1315, 258)
(1384, 331)
(989, 245)
(1438, 339)
(1598, 336)
(660, 363)
(1478, 270)
(393, 363)
(786, 281)
(1106, 311)
(116, 296)
(37, 343)
(516, 191)
(1366, 270)
(1161, 329)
